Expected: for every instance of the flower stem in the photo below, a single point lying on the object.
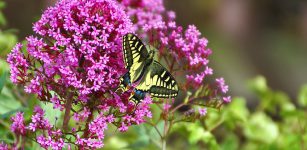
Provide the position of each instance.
(163, 144)
(88, 120)
(68, 106)
(164, 135)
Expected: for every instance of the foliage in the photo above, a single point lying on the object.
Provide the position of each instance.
(275, 123)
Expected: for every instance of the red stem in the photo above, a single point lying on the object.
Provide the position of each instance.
(68, 106)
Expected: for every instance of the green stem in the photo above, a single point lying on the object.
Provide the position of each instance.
(164, 135)
(163, 144)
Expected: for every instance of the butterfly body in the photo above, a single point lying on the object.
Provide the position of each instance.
(148, 75)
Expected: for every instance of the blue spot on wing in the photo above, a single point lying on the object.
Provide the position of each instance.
(127, 80)
(139, 95)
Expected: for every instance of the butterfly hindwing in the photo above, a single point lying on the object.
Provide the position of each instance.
(158, 82)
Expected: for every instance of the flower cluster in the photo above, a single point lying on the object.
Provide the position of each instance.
(50, 137)
(38, 121)
(80, 48)
(3, 146)
(18, 125)
(183, 51)
(188, 50)
(223, 88)
(75, 61)
(18, 64)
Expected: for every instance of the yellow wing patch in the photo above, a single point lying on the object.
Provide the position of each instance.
(158, 82)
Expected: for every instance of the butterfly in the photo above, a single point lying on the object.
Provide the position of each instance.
(149, 75)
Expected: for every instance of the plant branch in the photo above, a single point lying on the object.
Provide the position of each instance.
(68, 107)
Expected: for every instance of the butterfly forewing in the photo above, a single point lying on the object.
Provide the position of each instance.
(135, 54)
(134, 50)
(158, 82)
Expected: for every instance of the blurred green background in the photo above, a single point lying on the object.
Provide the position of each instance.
(248, 38)
(252, 37)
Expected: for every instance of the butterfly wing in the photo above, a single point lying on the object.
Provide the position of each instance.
(158, 82)
(135, 54)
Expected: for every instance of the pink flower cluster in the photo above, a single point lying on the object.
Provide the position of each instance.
(75, 61)
(3, 146)
(223, 88)
(186, 46)
(77, 56)
(50, 137)
(79, 47)
(38, 121)
(19, 65)
(18, 125)
(189, 51)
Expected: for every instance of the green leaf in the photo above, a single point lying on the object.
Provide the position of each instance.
(259, 85)
(231, 142)
(2, 19)
(7, 102)
(51, 114)
(7, 42)
(4, 66)
(153, 133)
(236, 113)
(289, 140)
(302, 96)
(143, 137)
(115, 143)
(281, 99)
(196, 133)
(261, 128)
(213, 118)
(2, 4)
(3, 78)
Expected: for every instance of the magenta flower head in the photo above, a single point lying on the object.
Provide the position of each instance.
(18, 125)
(3, 146)
(75, 61)
(77, 50)
(78, 47)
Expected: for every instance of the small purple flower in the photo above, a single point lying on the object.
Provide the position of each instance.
(81, 116)
(3, 146)
(19, 64)
(43, 142)
(56, 103)
(202, 111)
(221, 84)
(227, 99)
(18, 125)
(38, 120)
(166, 107)
(99, 125)
(123, 127)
